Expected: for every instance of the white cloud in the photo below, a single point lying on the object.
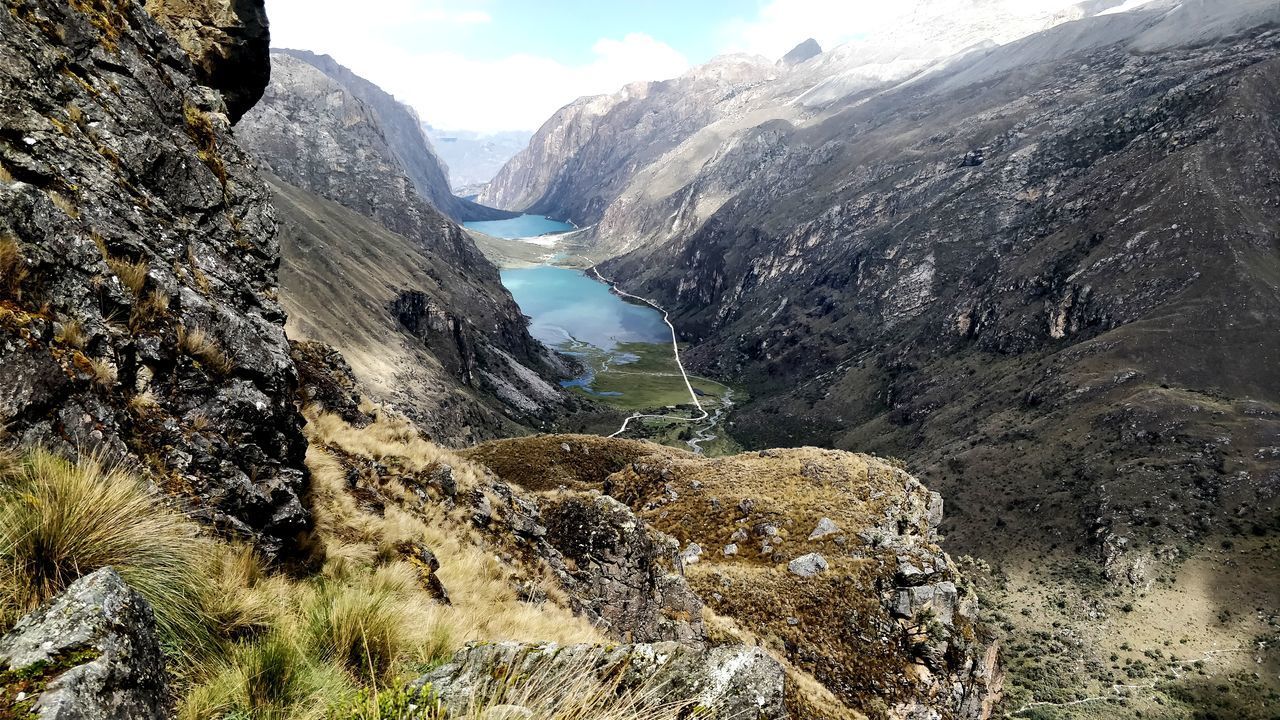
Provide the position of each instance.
(453, 91)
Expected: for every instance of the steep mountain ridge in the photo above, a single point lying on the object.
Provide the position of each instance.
(591, 157)
(954, 271)
(371, 267)
(405, 137)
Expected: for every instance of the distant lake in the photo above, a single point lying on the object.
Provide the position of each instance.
(569, 308)
(523, 227)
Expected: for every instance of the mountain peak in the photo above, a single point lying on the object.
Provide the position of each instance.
(804, 51)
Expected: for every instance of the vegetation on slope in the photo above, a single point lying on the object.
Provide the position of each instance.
(340, 639)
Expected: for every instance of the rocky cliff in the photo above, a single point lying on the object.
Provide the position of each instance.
(227, 41)
(139, 309)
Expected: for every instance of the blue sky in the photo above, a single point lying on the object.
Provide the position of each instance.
(566, 30)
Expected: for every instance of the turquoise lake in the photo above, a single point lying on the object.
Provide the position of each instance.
(525, 226)
(568, 307)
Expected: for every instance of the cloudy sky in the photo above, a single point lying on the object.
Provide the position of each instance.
(489, 65)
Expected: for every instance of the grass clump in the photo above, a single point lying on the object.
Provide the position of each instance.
(203, 347)
(61, 520)
(133, 275)
(148, 309)
(13, 269)
(64, 203)
(71, 333)
(205, 137)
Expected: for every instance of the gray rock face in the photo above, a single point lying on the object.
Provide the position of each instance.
(90, 654)
(738, 682)
(139, 312)
(227, 41)
(620, 573)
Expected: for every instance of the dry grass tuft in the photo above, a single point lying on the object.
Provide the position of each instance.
(132, 274)
(60, 521)
(203, 347)
(202, 280)
(205, 137)
(5, 175)
(71, 333)
(64, 203)
(104, 373)
(13, 269)
(563, 690)
(148, 309)
(144, 402)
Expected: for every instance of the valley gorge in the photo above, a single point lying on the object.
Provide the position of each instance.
(981, 316)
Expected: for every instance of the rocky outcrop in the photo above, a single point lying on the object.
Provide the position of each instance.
(619, 572)
(327, 382)
(805, 51)
(870, 606)
(92, 652)
(228, 42)
(742, 683)
(139, 310)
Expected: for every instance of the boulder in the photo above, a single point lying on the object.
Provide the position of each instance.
(808, 565)
(739, 682)
(825, 527)
(90, 654)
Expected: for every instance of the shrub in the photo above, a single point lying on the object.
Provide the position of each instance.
(59, 521)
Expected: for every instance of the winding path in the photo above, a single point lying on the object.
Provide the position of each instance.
(675, 346)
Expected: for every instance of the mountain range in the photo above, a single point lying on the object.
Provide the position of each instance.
(277, 442)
